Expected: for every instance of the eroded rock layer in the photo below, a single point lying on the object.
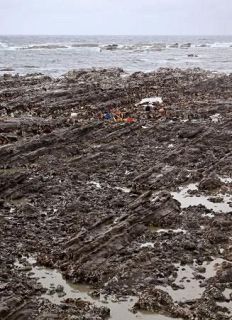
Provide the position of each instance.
(95, 199)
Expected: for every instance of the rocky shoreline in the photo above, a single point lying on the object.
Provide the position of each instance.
(104, 202)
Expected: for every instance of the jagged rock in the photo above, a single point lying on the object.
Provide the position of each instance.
(210, 183)
(94, 199)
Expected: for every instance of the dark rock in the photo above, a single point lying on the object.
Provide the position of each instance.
(63, 188)
(210, 183)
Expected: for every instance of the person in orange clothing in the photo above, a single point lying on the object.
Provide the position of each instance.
(162, 112)
(118, 116)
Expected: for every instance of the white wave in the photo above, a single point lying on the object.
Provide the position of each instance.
(44, 46)
(8, 48)
(3, 45)
(221, 45)
(214, 45)
(140, 47)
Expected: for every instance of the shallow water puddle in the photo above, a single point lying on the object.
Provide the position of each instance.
(226, 180)
(227, 304)
(171, 230)
(95, 183)
(227, 293)
(99, 186)
(186, 279)
(123, 189)
(158, 230)
(53, 281)
(147, 245)
(186, 200)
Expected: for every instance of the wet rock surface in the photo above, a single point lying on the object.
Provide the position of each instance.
(94, 199)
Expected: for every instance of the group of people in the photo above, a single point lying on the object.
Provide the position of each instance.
(122, 116)
(116, 116)
(155, 112)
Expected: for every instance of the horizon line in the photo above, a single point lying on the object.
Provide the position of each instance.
(119, 35)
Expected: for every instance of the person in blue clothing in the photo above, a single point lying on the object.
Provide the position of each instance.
(107, 116)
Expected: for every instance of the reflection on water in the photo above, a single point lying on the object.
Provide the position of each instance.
(191, 287)
(226, 180)
(53, 281)
(227, 304)
(186, 199)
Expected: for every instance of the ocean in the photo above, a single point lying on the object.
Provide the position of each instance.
(55, 55)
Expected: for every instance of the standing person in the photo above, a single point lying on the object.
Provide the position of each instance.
(107, 116)
(148, 111)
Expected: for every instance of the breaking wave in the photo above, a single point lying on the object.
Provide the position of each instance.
(215, 45)
(222, 45)
(135, 47)
(45, 46)
(3, 45)
(138, 47)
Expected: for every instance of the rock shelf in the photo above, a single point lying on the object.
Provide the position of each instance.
(86, 197)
